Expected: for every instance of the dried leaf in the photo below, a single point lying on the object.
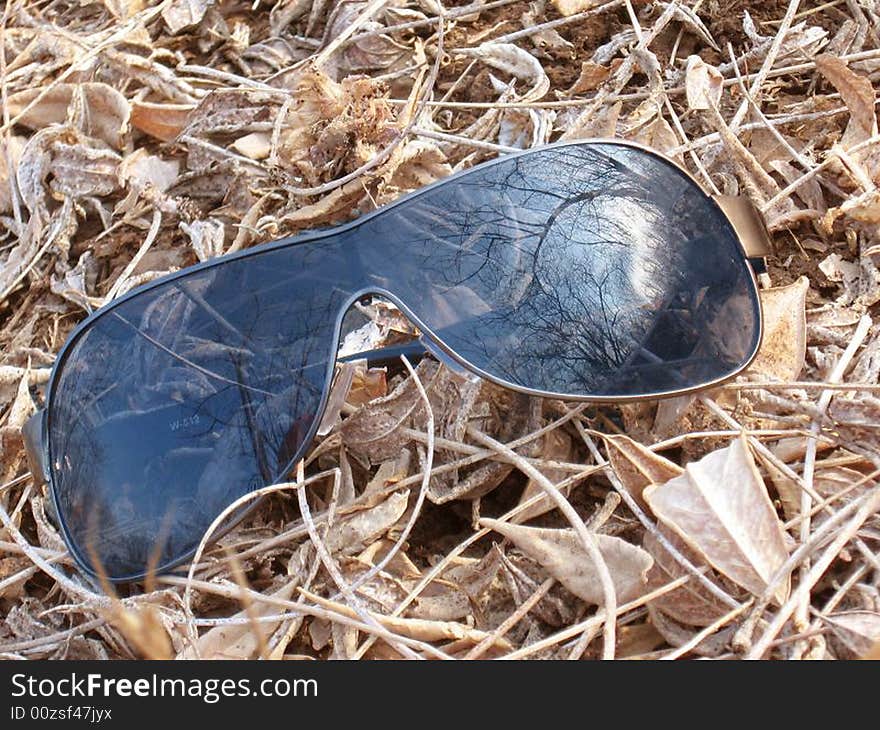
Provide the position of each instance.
(846, 273)
(105, 115)
(238, 640)
(593, 75)
(144, 171)
(124, 9)
(79, 171)
(784, 343)
(657, 135)
(254, 146)
(359, 528)
(181, 14)
(10, 153)
(720, 507)
(692, 604)
(859, 631)
(703, 84)
(571, 7)
(858, 95)
(162, 121)
(207, 237)
(555, 446)
(638, 467)
(562, 554)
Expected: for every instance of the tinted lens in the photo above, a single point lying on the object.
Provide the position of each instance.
(590, 270)
(595, 270)
(183, 398)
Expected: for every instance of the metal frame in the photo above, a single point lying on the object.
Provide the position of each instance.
(752, 245)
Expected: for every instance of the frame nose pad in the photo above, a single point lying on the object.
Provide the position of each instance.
(450, 362)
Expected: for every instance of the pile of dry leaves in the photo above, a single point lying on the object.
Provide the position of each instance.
(440, 516)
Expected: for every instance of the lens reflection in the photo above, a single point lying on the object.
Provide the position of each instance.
(586, 270)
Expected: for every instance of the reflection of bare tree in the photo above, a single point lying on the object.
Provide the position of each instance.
(570, 272)
(581, 270)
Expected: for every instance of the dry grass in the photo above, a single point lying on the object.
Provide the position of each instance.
(139, 137)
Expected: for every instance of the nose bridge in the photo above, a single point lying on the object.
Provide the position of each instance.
(748, 224)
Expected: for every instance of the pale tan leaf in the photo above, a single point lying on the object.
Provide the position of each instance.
(638, 467)
(562, 554)
(144, 171)
(238, 640)
(571, 7)
(180, 14)
(254, 146)
(413, 165)
(555, 446)
(784, 344)
(124, 9)
(352, 532)
(692, 604)
(859, 631)
(703, 84)
(858, 95)
(720, 507)
(10, 153)
(593, 75)
(658, 135)
(105, 115)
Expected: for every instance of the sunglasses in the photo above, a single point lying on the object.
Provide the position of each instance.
(588, 271)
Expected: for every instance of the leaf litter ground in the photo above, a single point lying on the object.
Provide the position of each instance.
(440, 516)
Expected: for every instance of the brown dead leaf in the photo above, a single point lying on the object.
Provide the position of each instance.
(858, 95)
(638, 467)
(79, 171)
(784, 343)
(720, 507)
(561, 553)
(692, 604)
(124, 9)
(106, 113)
(162, 121)
(367, 384)
(593, 75)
